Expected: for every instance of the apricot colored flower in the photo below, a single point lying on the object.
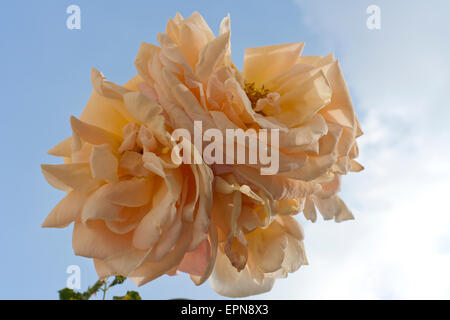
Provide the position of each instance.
(259, 239)
(305, 97)
(139, 214)
(135, 212)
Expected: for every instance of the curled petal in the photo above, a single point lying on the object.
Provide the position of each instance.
(213, 243)
(145, 53)
(236, 252)
(333, 207)
(229, 282)
(172, 56)
(329, 142)
(66, 211)
(186, 99)
(340, 109)
(355, 166)
(267, 246)
(151, 270)
(204, 178)
(261, 63)
(292, 227)
(106, 88)
(104, 164)
(142, 108)
(313, 168)
(146, 140)
(70, 176)
(310, 210)
(62, 149)
(94, 135)
(94, 240)
(168, 239)
(98, 208)
(132, 163)
(306, 134)
(301, 103)
(277, 187)
(211, 55)
(289, 206)
(128, 193)
(149, 229)
(330, 188)
(129, 142)
(196, 261)
(127, 220)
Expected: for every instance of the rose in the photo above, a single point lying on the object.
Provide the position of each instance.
(306, 98)
(193, 78)
(136, 213)
(196, 214)
(258, 239)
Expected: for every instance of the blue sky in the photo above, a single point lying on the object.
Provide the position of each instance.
(399, 244)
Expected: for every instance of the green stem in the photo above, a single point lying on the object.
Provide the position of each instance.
(105, 288)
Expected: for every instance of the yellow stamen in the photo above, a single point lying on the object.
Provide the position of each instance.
(254, 94)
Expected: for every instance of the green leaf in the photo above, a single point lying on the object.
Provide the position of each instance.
(91, 290)
(131, 295)
(69, 294)
(118, 280)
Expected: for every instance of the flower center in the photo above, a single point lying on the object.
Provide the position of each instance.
(263, 101)
(254, 93)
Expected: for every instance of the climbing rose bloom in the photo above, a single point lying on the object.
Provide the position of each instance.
(193, 78)
(139, 214)
(259, 239)
(135, 212)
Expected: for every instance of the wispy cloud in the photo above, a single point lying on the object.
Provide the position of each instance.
(399, 244)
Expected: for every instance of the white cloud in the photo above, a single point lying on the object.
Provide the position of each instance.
(399, 244)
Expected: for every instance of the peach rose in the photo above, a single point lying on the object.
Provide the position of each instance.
(258, 239)
(136, 213)
(139, 214)
(305, 97)
(191, 74)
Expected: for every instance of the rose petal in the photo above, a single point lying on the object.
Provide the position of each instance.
(66, 211)
(149, 229)
(196, 261)
(151, 270)
(104, 164)
(213, 243)
(142, 108)
(96, 241)
(76, 176)
(261, 63)
(62, 149)
(94, 135)
(266, 246)
(301, 103)
(129, 193)
(211, 55)
(308, 133)
(310, 211)
(98, 207)
(227, 281)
